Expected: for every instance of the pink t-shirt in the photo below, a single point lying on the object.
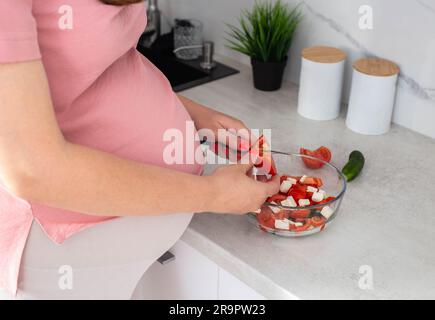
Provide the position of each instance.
(105, 94)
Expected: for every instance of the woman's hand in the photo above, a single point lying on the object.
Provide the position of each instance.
(206, 118)
(236, 192)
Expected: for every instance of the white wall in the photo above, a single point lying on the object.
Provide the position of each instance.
(404, 31)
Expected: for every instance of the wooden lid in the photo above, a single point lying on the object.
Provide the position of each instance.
(323, 54)
(377, 67)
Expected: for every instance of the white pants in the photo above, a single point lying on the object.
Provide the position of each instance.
(105, 261)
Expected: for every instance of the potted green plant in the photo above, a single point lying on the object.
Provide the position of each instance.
(265, 34)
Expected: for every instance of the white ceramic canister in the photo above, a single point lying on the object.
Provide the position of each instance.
(321, 82)
(372, 96)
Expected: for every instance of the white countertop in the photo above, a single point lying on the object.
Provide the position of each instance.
(386, 221)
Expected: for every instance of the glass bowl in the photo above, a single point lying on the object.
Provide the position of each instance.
(290, 221)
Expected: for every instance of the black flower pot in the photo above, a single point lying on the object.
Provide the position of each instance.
(268, 75)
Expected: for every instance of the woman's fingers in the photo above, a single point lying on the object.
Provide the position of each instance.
(246, 162)
(238, 133)
(236, 139)
(273, 185)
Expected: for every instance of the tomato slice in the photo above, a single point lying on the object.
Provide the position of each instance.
(302, 228)
(318, 221)
(281, 215)
(303, 220)
(327, 200)
(313, 181)
(322, 153)
(266, 217)
(299, 214)
(265, 159)
(277, 198)
(298, 192)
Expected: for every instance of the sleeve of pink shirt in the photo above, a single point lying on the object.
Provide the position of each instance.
(18, 32)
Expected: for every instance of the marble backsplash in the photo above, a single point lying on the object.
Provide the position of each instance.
(402, 31)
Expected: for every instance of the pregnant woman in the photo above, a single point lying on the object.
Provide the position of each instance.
(82, 119)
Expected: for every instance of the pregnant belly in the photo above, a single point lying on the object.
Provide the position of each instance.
(126, 112)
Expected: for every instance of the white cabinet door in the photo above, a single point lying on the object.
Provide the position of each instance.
(190, 276)
(231, 288)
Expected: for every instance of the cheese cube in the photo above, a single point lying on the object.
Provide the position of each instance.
(285, 186)
(298, 224)
(282, 224)
(292, 180)
(327, 212)
(323, 192)
(311, 189)
(302, 179)
(317, 197)
(289, 202)
(304, 202)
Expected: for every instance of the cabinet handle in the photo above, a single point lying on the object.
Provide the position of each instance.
(166, 258)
